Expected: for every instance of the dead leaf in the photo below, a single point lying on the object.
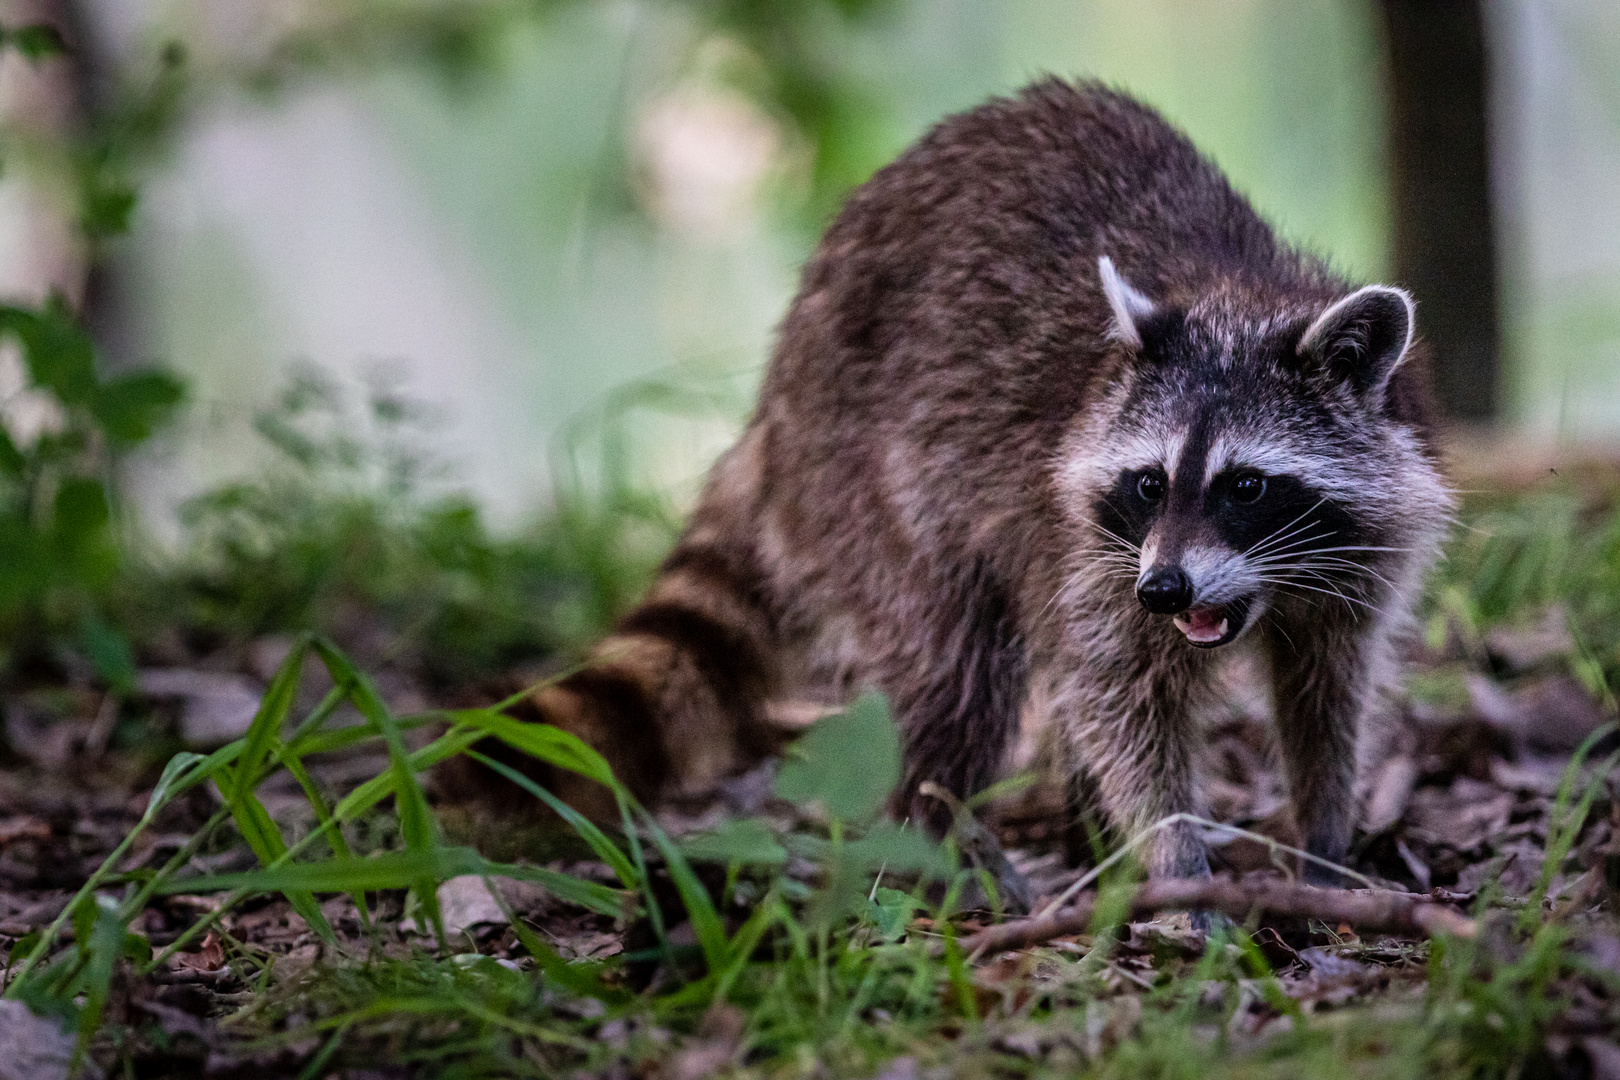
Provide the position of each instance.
(1552, 714)
(34, 1047)
(1465, 816)
(1392, 787)
(466, 902)
(206, 960)
(1515, 866)
(589, 945)
(1604, 1056)
(1332, 979)
(1536, 775)
(215, 707)
(24, 827)
(712, 1048)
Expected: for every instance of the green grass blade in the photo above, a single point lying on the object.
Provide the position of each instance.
(402, 869)
(325, 742)
(711, 932)
(267, 723)
(323, 813)
(376, 789)
(579, 979)
(747, 939)
(605, 848)
(549, 744)
(202, 770)
(104, 946)
(264, 837)
(416, 821)
(172, 774)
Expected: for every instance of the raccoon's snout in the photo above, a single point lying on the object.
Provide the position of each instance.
(1165, 590)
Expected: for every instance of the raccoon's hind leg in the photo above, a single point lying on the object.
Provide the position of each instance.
(958, 706)
(1325, 673)
(957, 717)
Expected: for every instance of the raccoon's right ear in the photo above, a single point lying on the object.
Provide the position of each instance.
(1130, 307)
(1363, 338)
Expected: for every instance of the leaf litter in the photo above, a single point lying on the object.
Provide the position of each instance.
(783, 929)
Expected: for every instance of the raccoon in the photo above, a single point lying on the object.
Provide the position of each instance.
(1054, 417)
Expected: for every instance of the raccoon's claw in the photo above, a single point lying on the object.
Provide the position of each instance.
(1209, 923)
(984, 851)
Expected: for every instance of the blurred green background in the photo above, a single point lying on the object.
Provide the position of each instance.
(520, 260)
(594, 193)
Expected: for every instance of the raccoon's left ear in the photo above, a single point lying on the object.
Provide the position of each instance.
(1363, 338)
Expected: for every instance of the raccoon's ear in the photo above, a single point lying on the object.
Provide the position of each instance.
(1130, 307)
(1363, 338)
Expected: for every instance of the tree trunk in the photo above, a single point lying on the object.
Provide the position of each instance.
(1445, 241)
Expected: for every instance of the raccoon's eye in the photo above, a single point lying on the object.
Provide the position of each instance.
(1150, 486)
(1248, 488)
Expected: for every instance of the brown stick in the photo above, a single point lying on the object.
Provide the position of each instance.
(1367, 908)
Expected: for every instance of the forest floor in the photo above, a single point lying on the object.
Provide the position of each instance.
(802, 956)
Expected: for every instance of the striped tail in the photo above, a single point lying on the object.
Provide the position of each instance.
(674, 698)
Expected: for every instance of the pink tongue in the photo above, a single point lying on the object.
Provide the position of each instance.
(1203, 624)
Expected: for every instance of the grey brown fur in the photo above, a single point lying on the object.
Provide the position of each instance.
(941, 494)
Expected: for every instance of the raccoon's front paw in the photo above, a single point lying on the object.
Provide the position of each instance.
(1327, 877)
(1209, 923)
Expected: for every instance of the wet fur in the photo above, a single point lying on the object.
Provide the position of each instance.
(927, 499)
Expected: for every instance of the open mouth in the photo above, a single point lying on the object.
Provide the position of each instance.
(1212, 625)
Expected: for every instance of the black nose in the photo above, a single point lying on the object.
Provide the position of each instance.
(1165, 590)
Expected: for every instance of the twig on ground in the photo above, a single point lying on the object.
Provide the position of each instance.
(1274, 845)
(1371, 909)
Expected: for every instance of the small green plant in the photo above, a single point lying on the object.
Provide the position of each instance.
(813, 964)
(350, 530)
(830, 943)
(1521, 555)
(59, 553)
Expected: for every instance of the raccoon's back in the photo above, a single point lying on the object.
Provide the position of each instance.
(950, 324)
(975, 251)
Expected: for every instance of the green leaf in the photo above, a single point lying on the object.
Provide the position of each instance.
(106, 205)
(849, 763)
(35, 41)
(12, 462)
(80, 510)
(899, 848)
(132, 407)
(748, 841)
(109, 652)
(890, 910)
(58, 352)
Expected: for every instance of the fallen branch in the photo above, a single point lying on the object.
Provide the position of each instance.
(1370, 909)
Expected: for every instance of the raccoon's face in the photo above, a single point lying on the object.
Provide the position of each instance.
(1249, 462)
